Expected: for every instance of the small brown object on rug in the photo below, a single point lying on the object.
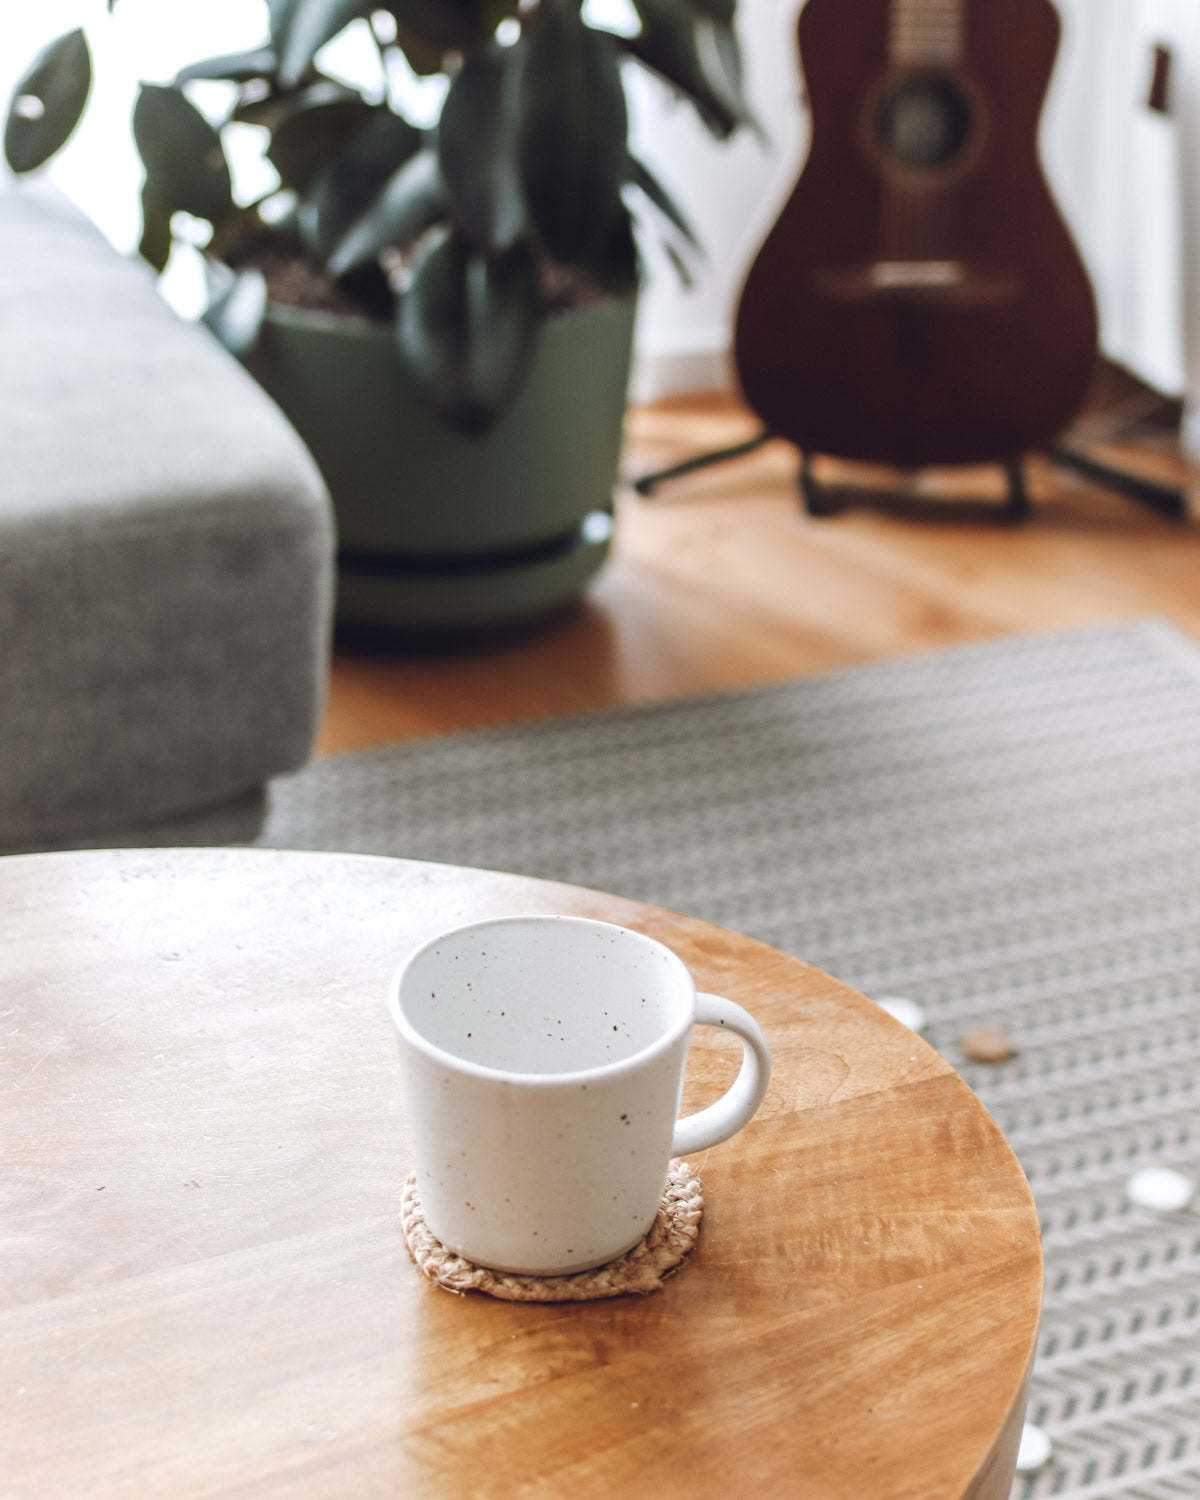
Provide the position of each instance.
(642, 1269)
(988, 1044)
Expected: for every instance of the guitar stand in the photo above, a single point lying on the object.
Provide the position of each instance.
(824, 500)
(648, 483)
(820, 500)
(1167, 499)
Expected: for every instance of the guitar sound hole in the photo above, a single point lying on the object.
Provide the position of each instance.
(924, 123)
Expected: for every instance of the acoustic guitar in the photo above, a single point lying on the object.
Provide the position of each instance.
(920, 300)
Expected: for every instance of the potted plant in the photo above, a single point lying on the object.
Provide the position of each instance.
(444, 310)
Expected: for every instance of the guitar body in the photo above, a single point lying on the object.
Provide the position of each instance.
(920, 300)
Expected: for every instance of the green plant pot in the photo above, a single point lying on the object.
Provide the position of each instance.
(443, 534)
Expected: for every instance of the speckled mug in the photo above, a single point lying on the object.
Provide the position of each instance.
(542, 1062)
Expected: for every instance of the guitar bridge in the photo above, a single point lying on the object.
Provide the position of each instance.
(953, 282)
(911, 275)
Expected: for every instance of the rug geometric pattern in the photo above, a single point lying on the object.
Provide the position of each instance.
(1006, 833)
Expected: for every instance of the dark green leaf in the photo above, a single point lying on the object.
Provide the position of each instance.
(443, 23)
(721, 11)
(47, 102)
(466, 328)
(641, 177)
(422, 57)
(237, 305)
(244, 230)
(347, 185)
(314, 130)
(644, 180)
(282, 211)
(233, 67)
(370, 290)
(571, 134)
(155, 244)
(614, 265)
(261, 101)
(698, 55)
(308, 226)
(300, 28)
(259, 107)
(682, 269)
(477, 147)
(411, 202)
(720, 53)
(185, 165)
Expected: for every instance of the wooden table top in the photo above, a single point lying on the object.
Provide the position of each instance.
(204, 1289)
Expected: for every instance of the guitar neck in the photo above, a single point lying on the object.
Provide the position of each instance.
(925, 32)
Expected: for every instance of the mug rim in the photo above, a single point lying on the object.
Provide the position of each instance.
(409, 1033)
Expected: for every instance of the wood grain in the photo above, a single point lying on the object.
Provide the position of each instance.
(720, 580)
(203, 1285)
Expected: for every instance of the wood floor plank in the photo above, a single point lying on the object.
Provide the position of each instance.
(720, 579)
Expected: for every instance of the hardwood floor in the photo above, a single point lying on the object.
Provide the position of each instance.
(721, 579)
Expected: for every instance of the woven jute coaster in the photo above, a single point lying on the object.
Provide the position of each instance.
(642, 1269)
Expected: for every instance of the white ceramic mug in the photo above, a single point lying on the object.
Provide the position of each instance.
(543, 1061)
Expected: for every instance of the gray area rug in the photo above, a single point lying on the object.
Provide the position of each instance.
(1006, 833)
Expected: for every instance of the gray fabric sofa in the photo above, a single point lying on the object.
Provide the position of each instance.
(166, 553)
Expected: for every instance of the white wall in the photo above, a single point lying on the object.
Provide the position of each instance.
(1117, 171)
(731, 191)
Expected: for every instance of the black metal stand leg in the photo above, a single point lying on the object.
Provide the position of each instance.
(816, 501)
(650, 482)
(829, 500)
(1167, 499)
(1018, 495)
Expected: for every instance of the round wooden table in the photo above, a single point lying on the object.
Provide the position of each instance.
(204, 1288)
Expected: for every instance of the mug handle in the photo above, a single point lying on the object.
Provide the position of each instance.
(736, 1107)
